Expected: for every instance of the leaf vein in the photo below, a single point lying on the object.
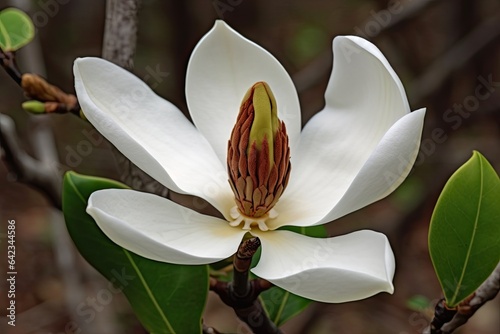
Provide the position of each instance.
(149, 292)
(282, 307)
(469, 250)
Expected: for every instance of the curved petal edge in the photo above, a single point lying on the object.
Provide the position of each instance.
(159, 229)
(389, 163)
(386, 168)
(222, 67)
(333, 270)
(150, 131)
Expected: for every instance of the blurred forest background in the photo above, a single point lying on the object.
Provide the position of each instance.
(442, 51)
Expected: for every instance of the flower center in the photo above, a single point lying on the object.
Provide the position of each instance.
(258, 159)
(248, 222)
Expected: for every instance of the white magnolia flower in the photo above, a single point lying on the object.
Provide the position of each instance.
(357, 150)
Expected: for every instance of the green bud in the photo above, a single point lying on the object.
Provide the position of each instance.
(34, 107)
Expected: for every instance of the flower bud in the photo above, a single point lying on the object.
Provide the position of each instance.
(38, 88)
(258, 154)
(34, 107)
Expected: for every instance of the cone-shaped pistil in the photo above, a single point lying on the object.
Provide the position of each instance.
(258, 154)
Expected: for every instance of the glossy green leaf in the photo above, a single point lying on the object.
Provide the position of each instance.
(281, 305)
(464, 236)
(16, 29)
(166, 298)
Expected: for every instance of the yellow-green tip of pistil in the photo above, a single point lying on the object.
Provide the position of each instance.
(265, 122)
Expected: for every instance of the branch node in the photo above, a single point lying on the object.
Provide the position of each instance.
(242, 294)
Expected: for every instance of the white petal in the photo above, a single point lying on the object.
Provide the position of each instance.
(364, 101)
(150, 131)
(363, 82)
(223, 66)
(161, 230)
(330, 191)
(334, 270)
(387, 167)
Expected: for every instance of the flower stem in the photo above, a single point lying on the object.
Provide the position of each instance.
(240, 286)
(442, 315)
(242, 294)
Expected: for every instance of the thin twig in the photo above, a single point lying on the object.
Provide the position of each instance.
(42, 171)
(447, 320)
(50, 97)
(9, 64)
(55, 100)
(25, 168)
(40, 174)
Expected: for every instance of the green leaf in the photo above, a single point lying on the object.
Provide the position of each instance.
(418, 303)
(281, 305)
(166, 298)
(16, 29)
(317, 231)
(464, 236)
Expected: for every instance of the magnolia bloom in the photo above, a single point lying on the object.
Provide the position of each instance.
(355, 151)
